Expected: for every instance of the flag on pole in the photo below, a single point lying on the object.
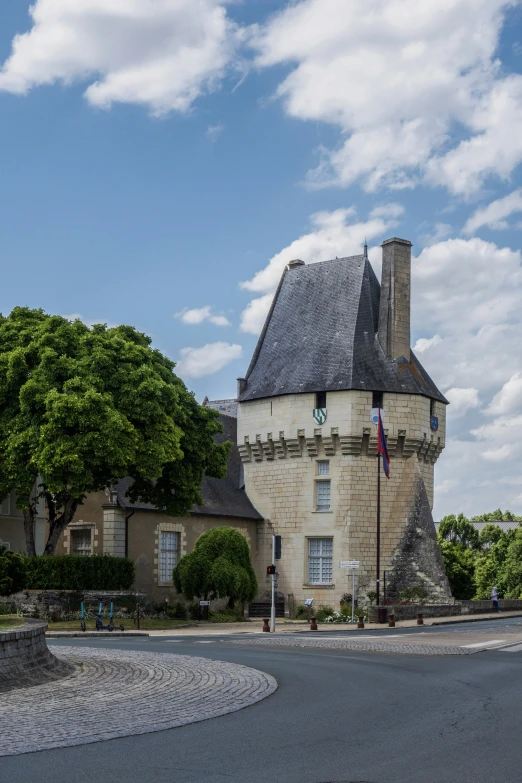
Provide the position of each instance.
(382, 448)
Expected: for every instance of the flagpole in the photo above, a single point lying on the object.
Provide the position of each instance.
(378, 529)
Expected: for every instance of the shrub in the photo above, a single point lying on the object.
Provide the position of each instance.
(12, 572)
(218, 567)
(226, 616)
(323, 612)
(78, 572)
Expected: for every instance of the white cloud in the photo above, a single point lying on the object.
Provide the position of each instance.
(254, 314)
(423, 343)
(403, 81)
(465, 299)
(197, 315)
(495, 214)
(509, 398)
(213, 131)
(161, 54)
(206, 360)
(334, 234)
(219, 320)
(462, 400)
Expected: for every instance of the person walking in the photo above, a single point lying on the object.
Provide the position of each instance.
(494, 598)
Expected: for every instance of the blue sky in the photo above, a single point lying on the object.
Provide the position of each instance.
(153, 159)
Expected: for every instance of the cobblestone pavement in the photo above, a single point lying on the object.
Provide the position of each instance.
(115, 693)
(336, 643)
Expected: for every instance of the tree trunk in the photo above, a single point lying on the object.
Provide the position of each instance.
(58, 522)
(29, 531)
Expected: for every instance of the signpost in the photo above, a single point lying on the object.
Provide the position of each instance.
(353, 565)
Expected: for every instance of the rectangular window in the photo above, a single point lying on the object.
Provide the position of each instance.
(323, 495)
(4, 507)
(323, 468)
(81, 542)
(320, 552)
(169, 554)
(432, 408)
(320, 400)
(377, 397)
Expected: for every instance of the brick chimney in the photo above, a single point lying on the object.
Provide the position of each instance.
(394, 309)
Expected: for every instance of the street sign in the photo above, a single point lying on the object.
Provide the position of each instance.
(349, 564)
(309, 602)
(204, 603)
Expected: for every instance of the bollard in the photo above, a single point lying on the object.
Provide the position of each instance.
(420, 620)
(266, 626)
(313, 624)
(360, 624)
(391, 621)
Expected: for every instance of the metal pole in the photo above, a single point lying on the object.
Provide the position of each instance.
(384, 588)
(378, 528)
(272, 609)
(353, 593)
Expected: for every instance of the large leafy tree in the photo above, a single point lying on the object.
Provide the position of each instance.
(218, 567)
(459, 530)
(82, 407)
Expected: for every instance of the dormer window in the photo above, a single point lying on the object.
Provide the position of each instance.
(377, 399)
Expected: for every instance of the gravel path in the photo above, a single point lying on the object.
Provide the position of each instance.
(113, 693)
(353, 644)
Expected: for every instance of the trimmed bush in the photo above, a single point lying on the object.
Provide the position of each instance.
(78, 572)
(12, 571)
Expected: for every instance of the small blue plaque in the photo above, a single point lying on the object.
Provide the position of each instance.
(434, 423)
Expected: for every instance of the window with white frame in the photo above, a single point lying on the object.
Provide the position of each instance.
(323, 495)
(81, 542)
(323, 467)
(168, 555)
(320, 551)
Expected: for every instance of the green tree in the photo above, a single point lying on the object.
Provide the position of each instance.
(459, 530)
(218, 567)
(12, 572)
(497, 516)
(83, 407)
(459, 562)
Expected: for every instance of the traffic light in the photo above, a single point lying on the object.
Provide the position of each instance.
(277, 547)
(270, 570)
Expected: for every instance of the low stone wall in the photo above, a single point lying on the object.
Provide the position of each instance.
(410, 611)
(482, 607)
(25, 658)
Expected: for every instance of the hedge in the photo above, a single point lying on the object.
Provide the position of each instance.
(78, 572)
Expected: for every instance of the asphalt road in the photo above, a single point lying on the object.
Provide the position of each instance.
(337, 717)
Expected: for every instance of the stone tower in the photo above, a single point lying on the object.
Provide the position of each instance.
(336, 345)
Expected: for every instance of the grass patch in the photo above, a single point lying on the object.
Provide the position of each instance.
(9, 622)
(146, 624)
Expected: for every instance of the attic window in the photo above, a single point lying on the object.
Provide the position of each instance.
(320, 400)
(377, 397)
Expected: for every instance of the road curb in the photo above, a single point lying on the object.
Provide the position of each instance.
(476, 620)
(92, 634)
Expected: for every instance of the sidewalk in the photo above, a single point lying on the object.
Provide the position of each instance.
(255, 626)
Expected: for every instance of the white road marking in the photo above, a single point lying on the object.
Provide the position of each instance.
(484, 644)
(513, 648)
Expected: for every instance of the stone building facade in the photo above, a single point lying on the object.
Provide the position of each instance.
(335, 346)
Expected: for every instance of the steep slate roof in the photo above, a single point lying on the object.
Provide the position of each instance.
(321, 335)
(226, 407)
(221, 497)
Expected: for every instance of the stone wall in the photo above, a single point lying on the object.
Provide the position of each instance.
(459, 608)
(280, 445)
(25, 658)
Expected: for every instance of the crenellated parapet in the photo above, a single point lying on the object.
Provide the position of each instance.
(264, 447)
